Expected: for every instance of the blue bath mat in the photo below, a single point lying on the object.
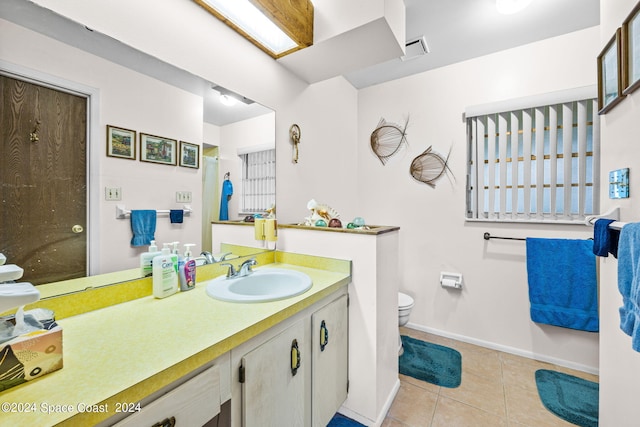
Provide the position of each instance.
(571, 398)
(340, 420)
(432, 363)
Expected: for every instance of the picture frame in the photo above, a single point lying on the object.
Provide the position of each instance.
(189, 155)
(630, 33)
(610, 75)
(121, 142)
(158, 149)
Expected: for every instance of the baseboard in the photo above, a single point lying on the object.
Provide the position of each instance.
(381, 416)
(506, 349)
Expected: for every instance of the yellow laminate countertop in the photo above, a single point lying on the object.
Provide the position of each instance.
(122, 353)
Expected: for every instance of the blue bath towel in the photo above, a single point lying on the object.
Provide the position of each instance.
(605, 239)
(143, 225)
(227, 191)
(176, 216)
(629, 282)
(563, 287)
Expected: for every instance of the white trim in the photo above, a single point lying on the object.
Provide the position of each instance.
(507, 349)
(559, 97)
(255, 148)
(93, 153)
(381, 416)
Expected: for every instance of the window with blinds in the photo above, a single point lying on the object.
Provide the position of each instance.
(534, 164)
(258, 181)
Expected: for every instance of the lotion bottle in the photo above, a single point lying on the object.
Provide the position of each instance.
(187, 269)
(165, 273)
(146, 259)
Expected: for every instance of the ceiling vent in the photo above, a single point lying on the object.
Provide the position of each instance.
(415, 48)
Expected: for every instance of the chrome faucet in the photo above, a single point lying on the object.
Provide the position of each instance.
(245, 267)
(208, 258)
(224, 256)
(231, 272)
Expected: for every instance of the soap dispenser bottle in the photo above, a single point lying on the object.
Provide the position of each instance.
(187, 269)
(146, 259)
(165, 273)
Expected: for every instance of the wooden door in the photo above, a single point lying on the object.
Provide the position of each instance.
(43, 176)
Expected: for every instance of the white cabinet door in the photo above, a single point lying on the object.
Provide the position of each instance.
(274, 394)
(329, 338)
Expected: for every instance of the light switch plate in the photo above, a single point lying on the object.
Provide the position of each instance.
(183, 196)
(619, 184)
(113, 193)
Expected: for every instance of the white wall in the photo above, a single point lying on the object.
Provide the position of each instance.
(327, 168)
(619, 364)
(493, 307)
(132, 101)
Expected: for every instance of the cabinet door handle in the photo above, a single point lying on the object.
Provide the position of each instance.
(324, 335)
(167, 422)
(295, 357)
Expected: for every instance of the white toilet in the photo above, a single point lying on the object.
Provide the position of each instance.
(405, 304)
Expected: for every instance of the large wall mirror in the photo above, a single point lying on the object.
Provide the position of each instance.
(51, 237)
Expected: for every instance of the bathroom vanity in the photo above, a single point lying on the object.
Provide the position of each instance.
(122, 361)
(373, 306)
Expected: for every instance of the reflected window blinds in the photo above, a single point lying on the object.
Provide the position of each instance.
(258, 181)
(534, 164)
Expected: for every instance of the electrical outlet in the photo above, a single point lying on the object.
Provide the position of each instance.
(113, 193)
(183, 196)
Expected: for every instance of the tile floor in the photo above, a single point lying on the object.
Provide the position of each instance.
(498, 389)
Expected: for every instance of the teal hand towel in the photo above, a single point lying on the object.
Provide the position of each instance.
(143, 226)
(227, 191)
(629, 281)
(563, 287)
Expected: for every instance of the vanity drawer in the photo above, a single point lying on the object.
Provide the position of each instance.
(193, 403)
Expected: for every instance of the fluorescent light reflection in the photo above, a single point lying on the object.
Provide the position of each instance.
(253, 22)
(228, 100)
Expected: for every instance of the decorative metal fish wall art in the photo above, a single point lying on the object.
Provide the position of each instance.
(387, 138)
(429, 166)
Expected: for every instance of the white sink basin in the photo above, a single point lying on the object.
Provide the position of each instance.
(268, 284)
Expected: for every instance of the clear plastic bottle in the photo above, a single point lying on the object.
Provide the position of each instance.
(187, 269)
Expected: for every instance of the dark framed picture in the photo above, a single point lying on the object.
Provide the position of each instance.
(157, 149)
(609, 75)
(631, 51)
(121, 142)
(189, 155)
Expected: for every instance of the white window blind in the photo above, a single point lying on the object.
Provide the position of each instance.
(258, 180)
(534, 164)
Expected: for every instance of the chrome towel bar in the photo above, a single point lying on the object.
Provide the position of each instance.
(122, 213)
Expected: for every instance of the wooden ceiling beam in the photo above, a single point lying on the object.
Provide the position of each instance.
(294, 17)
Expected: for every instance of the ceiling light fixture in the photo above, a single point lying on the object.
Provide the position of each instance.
(509, 7)
(229, 98)
(278, 27)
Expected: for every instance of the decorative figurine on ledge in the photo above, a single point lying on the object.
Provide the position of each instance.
(321, 215)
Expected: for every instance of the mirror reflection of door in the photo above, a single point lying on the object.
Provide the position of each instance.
(43, 175)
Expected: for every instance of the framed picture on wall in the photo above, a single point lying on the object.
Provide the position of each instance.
(189, 155)
(631, 51)
(609, 75)
(157, 149)
(121, 143)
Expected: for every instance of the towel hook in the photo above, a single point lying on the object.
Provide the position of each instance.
(227, 176)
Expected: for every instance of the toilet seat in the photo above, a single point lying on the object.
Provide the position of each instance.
(404, 301)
